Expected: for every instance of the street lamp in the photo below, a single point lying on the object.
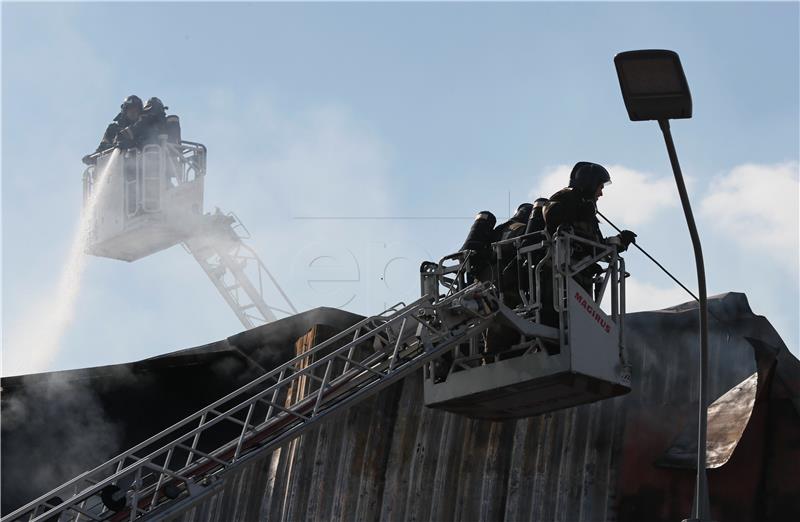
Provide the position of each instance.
(654, 88)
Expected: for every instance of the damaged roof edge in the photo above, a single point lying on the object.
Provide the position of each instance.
(250, 344)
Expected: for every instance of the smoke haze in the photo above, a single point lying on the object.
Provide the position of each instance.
(44, 324)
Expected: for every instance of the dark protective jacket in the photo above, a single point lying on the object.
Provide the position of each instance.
(536, 222)
(572, 207)
(146, 129)
(575, 208)
(512, 228)
(509, 267)
(112, 131)
(508, 230)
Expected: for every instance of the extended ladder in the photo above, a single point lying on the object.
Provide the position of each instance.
(178, 466)
(235, 269)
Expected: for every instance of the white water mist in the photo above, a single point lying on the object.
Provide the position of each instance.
(35, 341)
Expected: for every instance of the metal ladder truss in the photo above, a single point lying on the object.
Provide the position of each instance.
(236, 270)
(183, 463)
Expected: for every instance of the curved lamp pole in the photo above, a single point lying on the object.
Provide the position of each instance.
(654, 88)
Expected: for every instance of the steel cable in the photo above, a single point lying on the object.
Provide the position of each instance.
(651, 258)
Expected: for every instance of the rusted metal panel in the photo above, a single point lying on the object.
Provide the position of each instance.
(401, 451)
(423, 464)
(376, 453)
(494, 489)
(450, 450)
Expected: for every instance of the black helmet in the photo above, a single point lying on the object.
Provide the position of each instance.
(154, 104)
(523, 213)
(540, 202)
(131, 101)
(586, 176)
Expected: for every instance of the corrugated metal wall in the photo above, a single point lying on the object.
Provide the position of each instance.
(390, 458)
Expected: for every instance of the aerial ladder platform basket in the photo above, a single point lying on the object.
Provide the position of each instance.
(576, 359)
(152, 198)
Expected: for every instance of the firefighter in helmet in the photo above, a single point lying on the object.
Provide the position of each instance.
(129, 113)
(147, 128)
(576, 207)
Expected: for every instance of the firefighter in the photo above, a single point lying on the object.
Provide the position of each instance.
(483, 233)
(479, 260)
(576, 207)
(507, 262)
(536, 221)
(129, 113)
(147, 128)
(478, 246)
(535, 224)
(499, 337)
(516, 225)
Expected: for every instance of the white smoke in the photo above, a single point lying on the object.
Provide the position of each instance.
(34, 342)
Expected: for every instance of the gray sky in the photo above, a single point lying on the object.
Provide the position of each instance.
(422, 113)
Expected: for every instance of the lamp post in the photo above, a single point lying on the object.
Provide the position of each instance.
(654, 88)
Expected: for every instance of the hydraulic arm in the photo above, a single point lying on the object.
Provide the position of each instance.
(235, 269)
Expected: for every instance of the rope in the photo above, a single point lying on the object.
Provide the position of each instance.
(651, 258)
(722, 323)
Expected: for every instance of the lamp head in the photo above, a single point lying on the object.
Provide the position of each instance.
(653, 85)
